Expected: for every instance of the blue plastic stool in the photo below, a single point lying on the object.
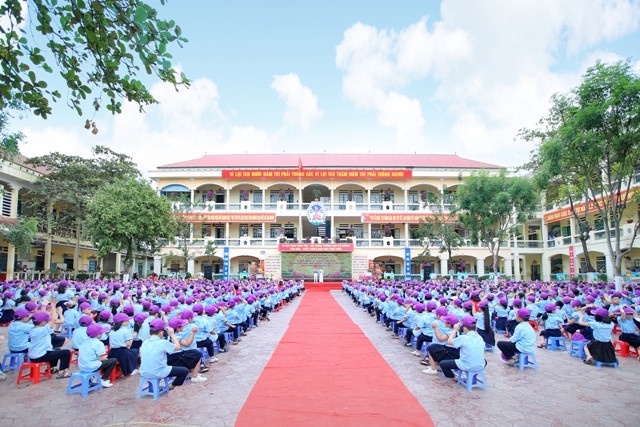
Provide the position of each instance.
(402, 332)
(556, 343)
(614, 364)
(489, 347)
(205, 355)
(152, 387)
(13, 361)
(228, 336)
(381, 319)
(472, 379)
(66, 331)
(84, 386)
(577, 349)
(527, 360)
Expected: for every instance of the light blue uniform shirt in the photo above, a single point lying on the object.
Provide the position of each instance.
(153, 357)
(626, 326)
(89, 353)
(525, 337)
(184, 334)
(601, 331)
(443, 331)
(204, 328)
(40, 341)
(71, 317)
(553, 321)
(19, 336)
(79, 336)
(119, 338)
(471, 348)
(425, 323)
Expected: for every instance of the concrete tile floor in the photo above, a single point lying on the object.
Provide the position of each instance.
(563, 391)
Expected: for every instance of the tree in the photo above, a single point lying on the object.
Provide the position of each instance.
(594, 134)
(441, 230)
(9, 141)
(61, 196)
(96, 45)
(129, 216)
(21, 235)
(557, 171)
(489, 207)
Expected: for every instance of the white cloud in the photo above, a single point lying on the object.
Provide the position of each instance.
(302, 105)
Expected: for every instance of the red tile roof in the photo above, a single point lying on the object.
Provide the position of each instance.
(324, 160)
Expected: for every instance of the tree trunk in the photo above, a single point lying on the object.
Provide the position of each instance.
(76, 251)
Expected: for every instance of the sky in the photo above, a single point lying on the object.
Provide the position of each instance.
(443, 77)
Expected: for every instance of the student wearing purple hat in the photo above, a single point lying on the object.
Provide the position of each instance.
(120, 340)
(40, 347)
(206, 335)
(154, 353)
(630, 333)
(483, 323)
(470, 346)
(92, 355)
(599, 349)
(552, 322)
(523, 339)
(7, 306)
(188, 355)
(439, 349)
(19, 331)
(80, 334)
(572, 325)
(512, 322)
(502, 312)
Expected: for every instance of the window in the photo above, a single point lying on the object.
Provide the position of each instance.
(219, 232)
(243, 230)
(601, 264)
(376, 197)
(414, 197)
(257, 231)
(6, 203)
(257, 197)
(274, 231)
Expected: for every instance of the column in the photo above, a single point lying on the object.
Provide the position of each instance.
(406, 233)
(480, 266)
(507, 267)
(545, 235)
(516, 267)
(157, 264)
(191, 267)
(145, 267)
(545, 268)
(118, 263)
(444, 265)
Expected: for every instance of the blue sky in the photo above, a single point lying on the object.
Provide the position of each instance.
(448, 76)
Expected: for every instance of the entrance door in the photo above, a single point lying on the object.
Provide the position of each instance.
(535, 272)
(208, 271)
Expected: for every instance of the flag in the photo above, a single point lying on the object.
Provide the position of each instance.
(299, 164)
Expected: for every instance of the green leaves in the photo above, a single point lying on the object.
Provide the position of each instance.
(93, 45)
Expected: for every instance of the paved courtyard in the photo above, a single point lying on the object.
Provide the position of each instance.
(563, 391)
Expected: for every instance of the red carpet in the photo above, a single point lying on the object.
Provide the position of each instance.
(325, 372)
(324, 286)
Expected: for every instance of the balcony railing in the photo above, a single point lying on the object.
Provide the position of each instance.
(296, 207)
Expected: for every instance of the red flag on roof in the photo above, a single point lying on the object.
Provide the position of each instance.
(299, 164)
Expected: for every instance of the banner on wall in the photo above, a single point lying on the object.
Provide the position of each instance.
(335, 266)
(225, 263)
(317, 173)
(407, 264)
(572, 262)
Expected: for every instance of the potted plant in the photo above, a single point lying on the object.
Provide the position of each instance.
(209, 196)
(325, 239)
(281, 194)
(350, 231)
(337, 239)
(350, 195)
(423, 196)
(316, 194)
(387, 231)
(629, 220)
(282, 239)
(387, 195)
(281, 231)
(244, 195)
(307, 239)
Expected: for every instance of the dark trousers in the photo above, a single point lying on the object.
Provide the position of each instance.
(180, 374)
(448, 366)
(54, 357)
(208, 344)
(107, 366)
(508, 348)
(422, 338)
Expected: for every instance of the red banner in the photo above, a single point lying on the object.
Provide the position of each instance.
(572, 262)
(580, 208)
(380, 218)
(315, 247)
(228, 217)
(388, 174)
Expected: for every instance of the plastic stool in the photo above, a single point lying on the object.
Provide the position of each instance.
(556, 343)
(114, 374)
(577, 349)
(205, 355)
(534, 325)
(228, 336)
(66, 331)
(624, 349)
(35, 373)
(152, 387)
(74, 357)
(14, 361)
(616, 329)
(472, 379)
(489, 347)
(84, 386)
(527, 360)
(614, 364)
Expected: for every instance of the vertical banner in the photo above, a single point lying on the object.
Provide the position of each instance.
(225, 263)
(407, 264)
(572, 262)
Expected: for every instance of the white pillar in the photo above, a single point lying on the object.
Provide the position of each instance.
(516, 266)
(480, 266)
(507, 267)
(191, 268)
(444, 266)
(157, 264)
